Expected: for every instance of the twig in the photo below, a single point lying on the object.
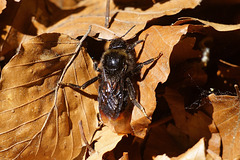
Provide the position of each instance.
(75, 55)
(84, 138)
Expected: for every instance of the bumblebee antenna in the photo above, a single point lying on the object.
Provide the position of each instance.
(128, 31)
(121, 36)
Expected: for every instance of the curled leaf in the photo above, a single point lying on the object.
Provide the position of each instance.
(216, 26)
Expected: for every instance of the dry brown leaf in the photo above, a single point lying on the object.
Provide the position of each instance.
(66, 4)
(125, 156)
(214, 143)
(160, 39)
(39, 121)
(226, 117)
(16, 22)
(159, 142)
(18, 18)
(122, 19)
(3, 4)
(194, 126)
(197, 152)
(161, 157)
(216, 26)
(212, 155)
(106, 141)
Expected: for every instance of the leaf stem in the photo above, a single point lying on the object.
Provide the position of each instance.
(237, 91)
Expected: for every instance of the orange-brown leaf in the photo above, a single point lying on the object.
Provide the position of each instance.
(123, 17)
(226, 117)
(216, 26)
(38, 119)
(160, 39)
(195, 153)
(106, 141)
(2, 5)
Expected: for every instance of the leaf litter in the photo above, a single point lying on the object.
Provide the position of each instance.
(33, 127)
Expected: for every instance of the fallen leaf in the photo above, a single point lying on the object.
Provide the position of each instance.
(212, 155)
(122, 18)
(194, 126)
(18, 22)
(2, 5)
(160, 142)
(66, 4)
(226, 117)
(195, 153)
(38, 119)
(216, 26)
(162, 157)
(160, 39)
(125, 156)
(106, 141)
(214, 143)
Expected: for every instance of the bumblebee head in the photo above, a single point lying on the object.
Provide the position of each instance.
(114, 62)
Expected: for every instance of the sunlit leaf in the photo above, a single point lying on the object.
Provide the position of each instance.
(226, 117)
(39, 120)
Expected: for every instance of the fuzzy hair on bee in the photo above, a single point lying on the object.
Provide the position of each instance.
(117, 69)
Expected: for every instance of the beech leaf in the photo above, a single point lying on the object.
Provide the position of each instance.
(160, 39)
(123, 18)
(39, 120)
(2, 5)
(195, 153)
(216, 26)
(226, 117)
(104, 142)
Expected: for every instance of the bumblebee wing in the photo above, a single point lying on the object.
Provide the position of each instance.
(111, 98)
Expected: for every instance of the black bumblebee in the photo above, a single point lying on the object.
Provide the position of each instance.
(117, 67)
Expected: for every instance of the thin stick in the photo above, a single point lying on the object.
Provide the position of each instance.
(107, 14)
(84, 138)
(75, 55)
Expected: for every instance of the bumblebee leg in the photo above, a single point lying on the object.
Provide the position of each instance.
(137, 42)
(132, 96)
(140, 65)
(74, 86)
(134, 44)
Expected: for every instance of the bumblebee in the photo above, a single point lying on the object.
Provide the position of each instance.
(116, 69)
